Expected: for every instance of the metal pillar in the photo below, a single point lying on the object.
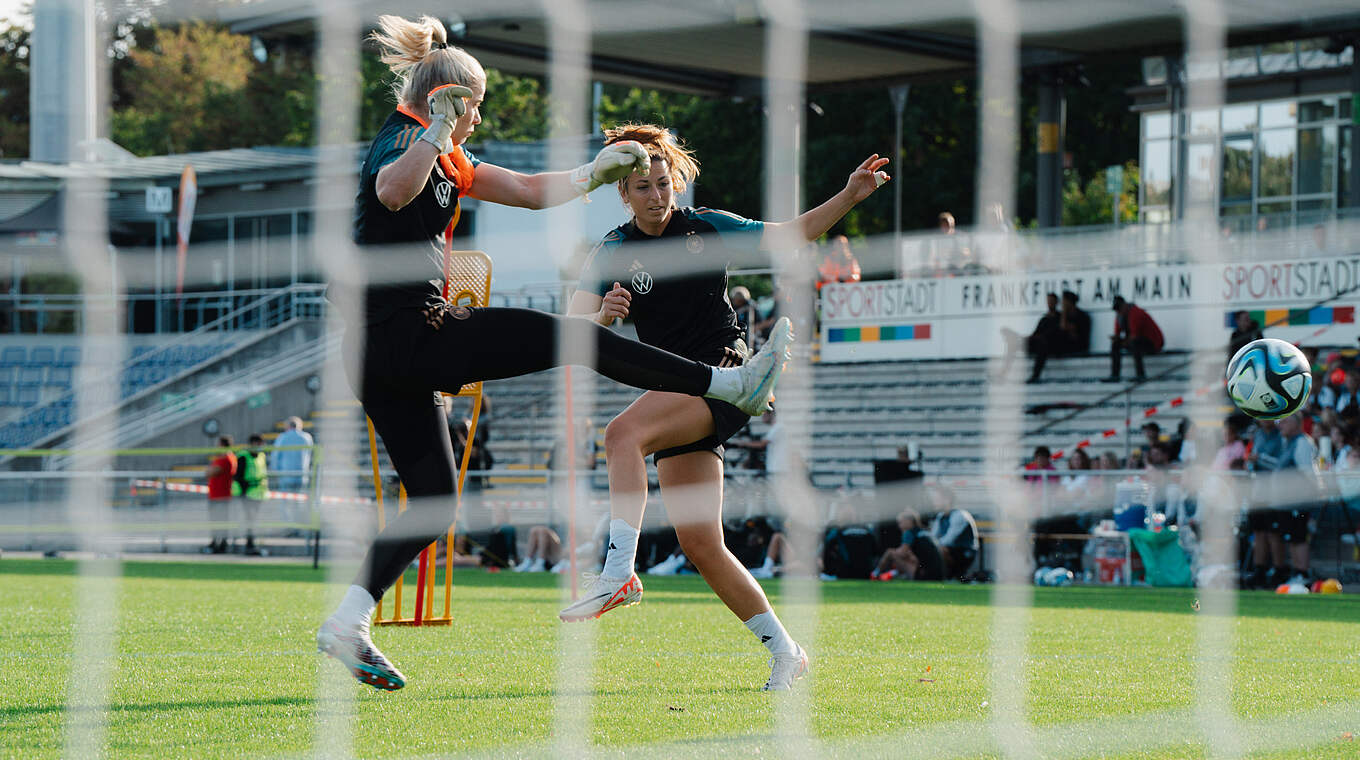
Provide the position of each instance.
(899, 99)
(1050, 149)
(1353, 197)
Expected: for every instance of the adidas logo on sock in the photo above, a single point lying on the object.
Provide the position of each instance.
(764, 639)
(612, 546)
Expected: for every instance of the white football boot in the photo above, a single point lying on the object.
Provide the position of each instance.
(603, 595)
(759, 375)
(785, 669)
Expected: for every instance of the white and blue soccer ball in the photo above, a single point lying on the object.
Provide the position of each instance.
(1269, 379)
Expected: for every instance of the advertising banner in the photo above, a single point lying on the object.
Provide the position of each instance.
(956, 317)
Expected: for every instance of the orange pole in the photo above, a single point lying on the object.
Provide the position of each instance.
(377, 495)
(571, 486)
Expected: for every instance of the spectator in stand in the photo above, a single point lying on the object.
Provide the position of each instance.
(747, 316)
(1136, 332)
(1110, 461)
(1245, 330)
(1345, 401)
(1035, 344)
(220, 473)
(1152, 435)
(1043, 460)
(1233, 454)
(1076, 485)
(839, 264)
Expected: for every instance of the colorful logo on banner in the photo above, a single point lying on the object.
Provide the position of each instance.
(1322, 315)
(873, 333)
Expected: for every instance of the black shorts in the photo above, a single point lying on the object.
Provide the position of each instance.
(1291, 524)
(727, 422)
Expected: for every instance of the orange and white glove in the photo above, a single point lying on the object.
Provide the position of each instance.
(614, 162)
(446, 106)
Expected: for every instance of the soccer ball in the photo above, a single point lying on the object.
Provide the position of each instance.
(1269, 379)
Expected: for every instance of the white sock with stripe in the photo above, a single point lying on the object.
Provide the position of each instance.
(770, 631)
(623, 538)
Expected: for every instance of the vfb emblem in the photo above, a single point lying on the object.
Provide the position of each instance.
(443, 192)
(642, 283)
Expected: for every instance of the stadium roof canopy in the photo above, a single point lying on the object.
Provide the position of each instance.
(718, 46)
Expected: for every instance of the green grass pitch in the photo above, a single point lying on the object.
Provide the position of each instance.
(217, 660)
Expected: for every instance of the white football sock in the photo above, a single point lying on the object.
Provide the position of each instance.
(623, 540)
(356, 608)
(770, 631)
(769, 563)
(726, 384)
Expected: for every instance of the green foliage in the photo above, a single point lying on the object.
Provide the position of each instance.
(1091, 203)
(186, 91)
(14, 116)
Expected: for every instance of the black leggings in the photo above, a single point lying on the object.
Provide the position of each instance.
(405, 363)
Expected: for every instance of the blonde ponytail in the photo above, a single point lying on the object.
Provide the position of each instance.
(419, 54)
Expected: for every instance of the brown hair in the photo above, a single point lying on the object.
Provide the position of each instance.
(419, 54)
(660, 144)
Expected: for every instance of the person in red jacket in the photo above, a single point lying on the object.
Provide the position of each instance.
(220, 473)
(1135, 332)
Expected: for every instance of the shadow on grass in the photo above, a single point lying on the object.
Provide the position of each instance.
(10, 713)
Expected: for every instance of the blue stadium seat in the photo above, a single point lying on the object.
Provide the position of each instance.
(27, 396)
(59, 376)
(69, 357)
(30, 376)
(42, 356)
(157, 375)
(6, 376)
(13, 356)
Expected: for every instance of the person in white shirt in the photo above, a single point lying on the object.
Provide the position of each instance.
(293, 465)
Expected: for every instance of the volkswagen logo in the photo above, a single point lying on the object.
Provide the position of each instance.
(642, 283)
(442, 192)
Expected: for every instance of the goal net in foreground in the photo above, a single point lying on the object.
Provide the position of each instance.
(190, 303)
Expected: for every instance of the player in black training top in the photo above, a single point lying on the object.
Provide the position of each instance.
(666, 270)
(405, 344)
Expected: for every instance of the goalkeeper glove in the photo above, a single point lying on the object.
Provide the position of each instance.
(446, 107)
(614, 162)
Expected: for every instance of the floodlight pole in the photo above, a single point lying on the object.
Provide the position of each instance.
(899, 99)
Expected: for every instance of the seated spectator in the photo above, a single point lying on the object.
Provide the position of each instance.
(1044, 333)
(1345, 400)
(479, 458)
(1135, 332)
(839, 264)
(1077, 485)
(747, 316)
(1232, 456)
(543, 552)
(1110, 461)
(956, 534)
(917, 557)
(1245, 330)
(1043, 460)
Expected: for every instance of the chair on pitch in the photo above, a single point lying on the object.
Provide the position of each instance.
(467, 283)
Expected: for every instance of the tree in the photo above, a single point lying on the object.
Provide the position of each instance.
(14, 116)
(1091, 203)
(186, 91)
